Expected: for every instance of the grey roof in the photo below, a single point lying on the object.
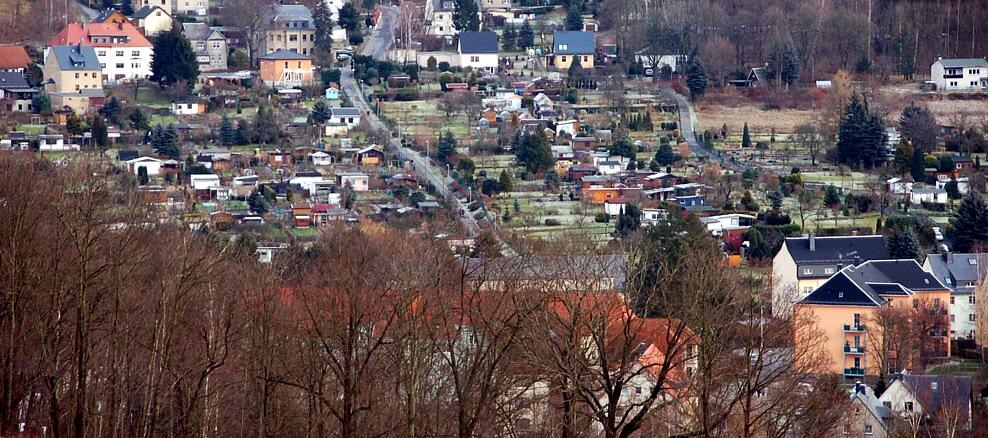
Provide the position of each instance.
(928, 190)
(103, 15)
(344, 112)
(573, 43)
(11, 80)
(955, 391)
(145, 11)
(837, 249)
(196, 31)
(478, 42)
(959, 269)
(866, 284)
(76, 57)
(290, 13)
(866, 396)
(438, 5)
(284, 54)
(963, 62)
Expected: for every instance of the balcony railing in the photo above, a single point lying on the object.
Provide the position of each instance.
(854, 328)
(854, 349)
(853, 372)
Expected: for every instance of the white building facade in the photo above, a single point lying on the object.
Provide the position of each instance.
(960, 74)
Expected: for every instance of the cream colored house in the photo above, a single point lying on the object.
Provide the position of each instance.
(152, 20)
(167, 5)
(866, 417)
(72, 77)
(290, 28)
(806, 262)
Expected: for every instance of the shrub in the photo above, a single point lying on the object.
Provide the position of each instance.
(551, 222)
(601, 218)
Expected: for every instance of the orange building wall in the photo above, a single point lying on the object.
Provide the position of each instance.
(273, 69)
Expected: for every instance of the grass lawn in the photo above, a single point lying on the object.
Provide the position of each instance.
(966, 367)
(305, 232)
(31, 130)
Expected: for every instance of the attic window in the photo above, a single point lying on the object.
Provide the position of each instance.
(563, 47)
(972, 261)
(840, 294)
(933, 386)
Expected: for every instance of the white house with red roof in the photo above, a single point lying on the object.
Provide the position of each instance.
(124, 52)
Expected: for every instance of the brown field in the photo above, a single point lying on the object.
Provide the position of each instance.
(714, 116)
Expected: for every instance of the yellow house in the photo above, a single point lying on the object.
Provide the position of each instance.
(804, 263)
(290, 28)
(849, 331)
(73, 78)
(570, 46)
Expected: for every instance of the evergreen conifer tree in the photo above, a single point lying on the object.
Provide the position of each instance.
(971, 224)
(174, 60)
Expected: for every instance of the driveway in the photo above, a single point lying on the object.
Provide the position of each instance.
(377, 46)
(687, 124)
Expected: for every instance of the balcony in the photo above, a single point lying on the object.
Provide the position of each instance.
(850, 349)
(854, 328)
(854, 372)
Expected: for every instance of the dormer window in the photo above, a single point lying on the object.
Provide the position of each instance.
(807, 271)
(972, 261)
(563, 46)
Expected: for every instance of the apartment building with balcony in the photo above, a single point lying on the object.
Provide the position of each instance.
(962, 273)
(845, 310)
(804, 263)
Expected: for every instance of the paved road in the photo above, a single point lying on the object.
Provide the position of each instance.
(90, 12)
(687, 123)
(377, 46)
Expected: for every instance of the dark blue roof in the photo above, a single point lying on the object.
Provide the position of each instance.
(76, 57)
(573, 43)
(9, 80)
(844, 249)
(478, 42)
(841, 290)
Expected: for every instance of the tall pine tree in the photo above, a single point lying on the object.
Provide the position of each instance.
(696, 80)
(466, 15)
(323, 20)
(227, 134)
(174, 60)
(861, 135)
(971, 224)
(526, 36)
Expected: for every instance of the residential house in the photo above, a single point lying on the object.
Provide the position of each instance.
(290, 28)
(439, 18)
(844, 308)
(285, 68)
(962, 273)
(370, 156)
(150, 164)
(192, 7)
(493, 6)
(347, 116)
(478, 50)
(72, 78)
(309, 181)
(320, 158)
(611, 167)
(960, 74)
(656, 62)
(568, 46)
(204, 181)
(124, 52)
(15, 93)
(941, 402)
(359, 182)
(928, 195)
(964, 164)
(152, 19)
(209, 45)
(188, 107)
(865, 417)
(899, 186)
(719, 224)
(54, 143)
(267, 251)
(806, 262)
(278, 158)
(166, 5)
(14, 59)
(110, 16)
(652, 216)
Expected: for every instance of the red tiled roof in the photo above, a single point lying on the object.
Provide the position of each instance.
(82, 33)
(12, 57)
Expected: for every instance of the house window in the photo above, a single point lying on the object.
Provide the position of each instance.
(101, 53)
(847, 429)
(77, 75)
(135, 53)
(970, 299)
(585, 59)
(474, 59)
(807, 271)
(951, 300)
(970, 317)
(200, 45)
(907, 406)
(828, 271)
(867, 429)
(936, 302)
(120, 65)
(562, 59)
(807, 289)
(292, 38)
(286, 64)
(951, 317)
(120, 53)
(887, 404)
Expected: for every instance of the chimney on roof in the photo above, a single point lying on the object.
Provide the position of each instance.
(859, 387)
(812, 242)
(948, 257)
